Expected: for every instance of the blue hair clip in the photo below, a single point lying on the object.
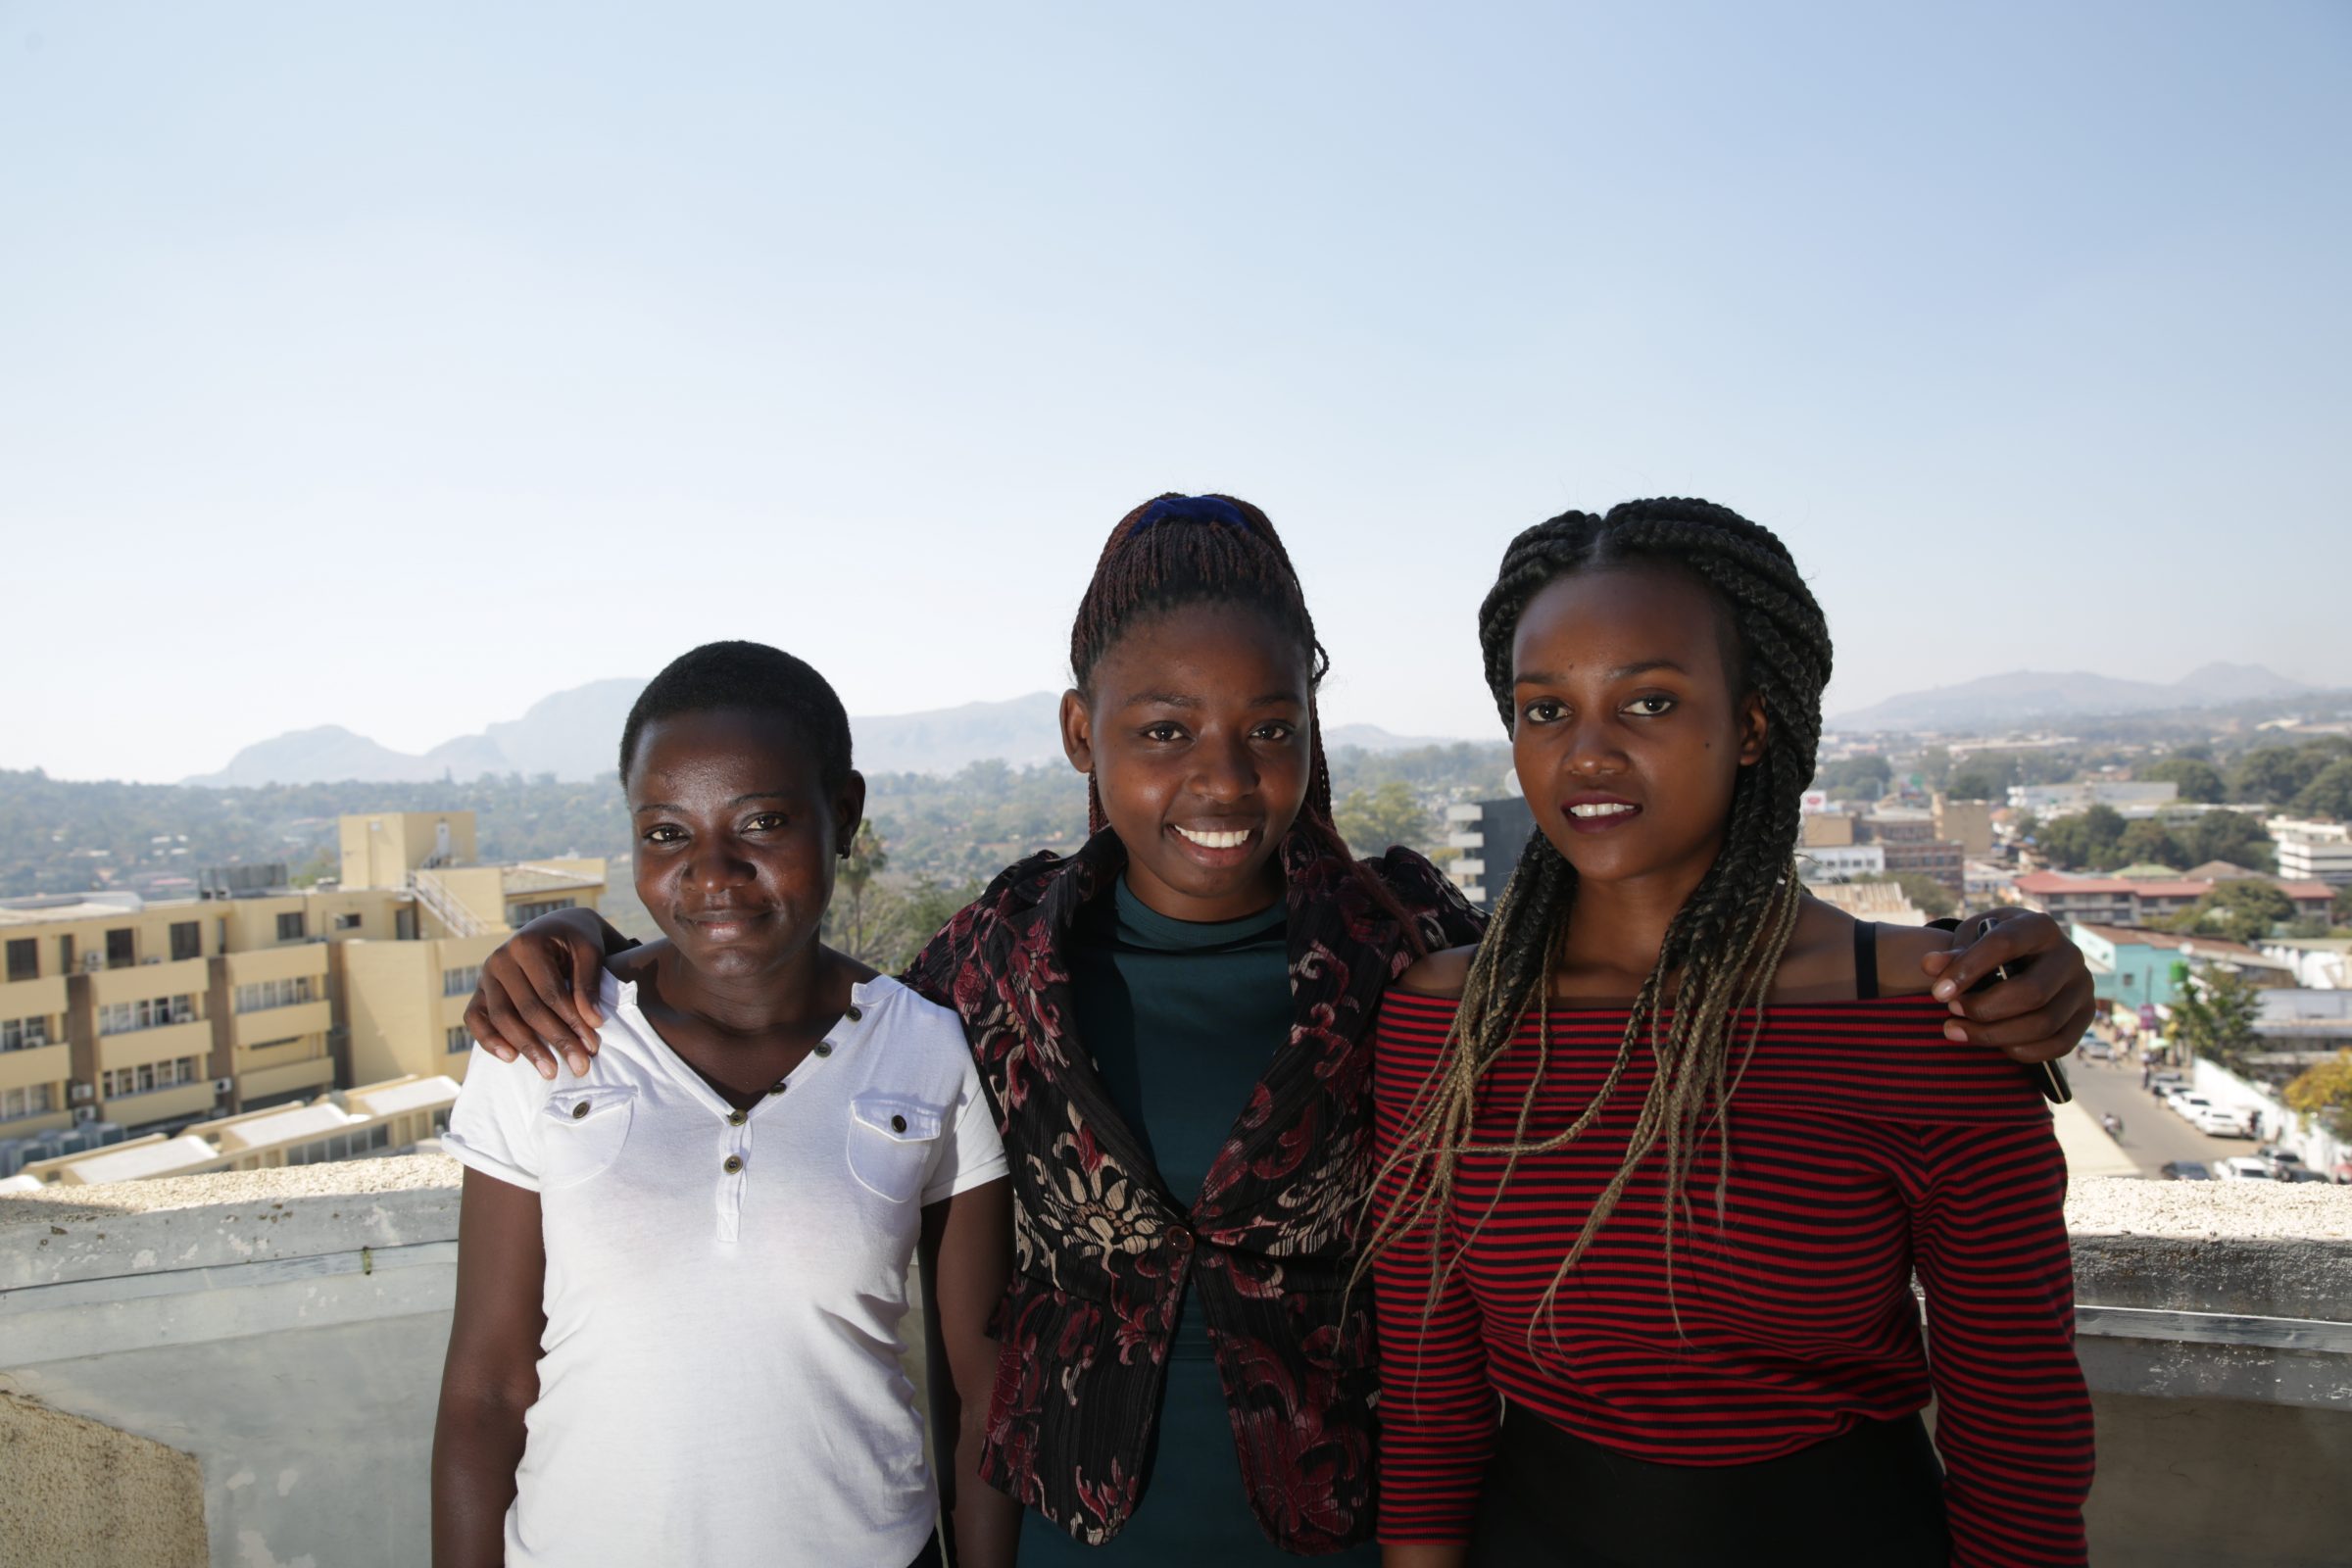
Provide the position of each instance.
(1193, 509)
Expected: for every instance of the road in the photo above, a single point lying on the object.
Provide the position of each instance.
(2152, 1135)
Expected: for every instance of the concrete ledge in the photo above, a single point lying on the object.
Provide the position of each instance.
(286, 1329)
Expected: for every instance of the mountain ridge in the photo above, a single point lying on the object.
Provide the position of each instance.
(2028, 694)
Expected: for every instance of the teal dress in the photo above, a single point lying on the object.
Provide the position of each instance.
(1213, 1003)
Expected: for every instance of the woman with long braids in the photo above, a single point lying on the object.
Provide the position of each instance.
(1174, 1025)
(1659, 1158)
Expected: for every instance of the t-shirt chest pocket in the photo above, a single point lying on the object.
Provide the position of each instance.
(581, 1131)
(892, 1139)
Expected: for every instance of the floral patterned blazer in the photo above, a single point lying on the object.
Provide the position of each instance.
(1104, 1250)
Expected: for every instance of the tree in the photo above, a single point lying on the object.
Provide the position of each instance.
(2326, 1091)
(1860, 778)
(2243, 909)
(2232, 836)
(1929, 895)
(1388, 814)
(2147, 841)
(2328, 794)
(2216, 1016)
(2199, 780)
(1936, 767)
(2086, 839)
(847, 922)
(2274, 775)
(1974, 783)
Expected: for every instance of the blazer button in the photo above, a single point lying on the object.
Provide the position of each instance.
(732, 1165)
(1179, 1240)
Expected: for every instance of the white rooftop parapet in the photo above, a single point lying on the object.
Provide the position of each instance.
(287, 1327)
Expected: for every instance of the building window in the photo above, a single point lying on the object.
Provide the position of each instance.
(122, 950)
(524, 914)
(289, 927)
(148, 1013)
(348, 922)
(459, 1041)
(263, 995)
(187, 940)
(147, 1077)
(461, 982)
(24, 958)
(24, 1034)
(33, 1102)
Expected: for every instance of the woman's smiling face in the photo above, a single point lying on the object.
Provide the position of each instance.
(1628, 731)
(1197, 728)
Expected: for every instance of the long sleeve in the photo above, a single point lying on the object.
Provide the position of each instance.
(1437, 1409)
(2012, 1412)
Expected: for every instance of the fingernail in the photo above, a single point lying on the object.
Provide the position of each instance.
(1945, 991)
(1956, 1034)
(547, 1069)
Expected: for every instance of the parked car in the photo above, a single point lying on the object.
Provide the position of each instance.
(2215, 1122)
(2186, 1170)
(2286, 1165)
(2184, 1102)
(2164, 1083)
(2094, 1048)
(2242, 1169)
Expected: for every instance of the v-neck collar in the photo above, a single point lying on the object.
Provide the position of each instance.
(620, 997)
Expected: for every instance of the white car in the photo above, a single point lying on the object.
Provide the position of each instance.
(2216, 1122)
(2242, 1169)
(2188, 1102)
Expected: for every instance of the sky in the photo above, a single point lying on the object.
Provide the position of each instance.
(394, 367)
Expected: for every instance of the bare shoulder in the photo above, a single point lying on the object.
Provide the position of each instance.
(1900, 950)
(1439, 974)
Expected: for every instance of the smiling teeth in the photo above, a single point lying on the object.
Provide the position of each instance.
(1214, 841)
(1598, 811)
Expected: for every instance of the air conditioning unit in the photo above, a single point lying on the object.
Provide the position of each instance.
(221, 1085)
(79, 1092)
(151, 958)
(92, 962)
(84, 1113)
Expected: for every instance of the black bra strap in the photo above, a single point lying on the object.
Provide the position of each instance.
(1866, 961)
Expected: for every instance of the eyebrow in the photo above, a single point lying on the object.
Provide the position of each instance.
(1546, 677)
(1179, 700)
(740, 799)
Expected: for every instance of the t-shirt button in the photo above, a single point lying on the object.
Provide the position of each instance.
(777, 1088)
(736, 1118)
(579, 1111)
(824, 1048)
(732, 1165)
(898, 1124)
(852, 1014)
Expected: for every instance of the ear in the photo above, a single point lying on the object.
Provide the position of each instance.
(849, 810)
(1077, 731)
(1754, 726)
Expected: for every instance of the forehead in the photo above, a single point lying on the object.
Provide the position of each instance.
(1621, 614)
(739, 749)
(1206, 651)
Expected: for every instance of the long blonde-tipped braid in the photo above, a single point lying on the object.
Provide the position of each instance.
(1720, 951)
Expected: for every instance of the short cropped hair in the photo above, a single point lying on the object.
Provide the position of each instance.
(747, 675)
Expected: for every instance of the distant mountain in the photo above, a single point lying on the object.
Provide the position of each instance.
(1372, 738)
(573, 735)
(2024, 695)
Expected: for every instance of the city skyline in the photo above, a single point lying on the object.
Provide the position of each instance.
(394, 370)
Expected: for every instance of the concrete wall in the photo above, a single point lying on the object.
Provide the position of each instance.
(82, 1492)
(286, 1329)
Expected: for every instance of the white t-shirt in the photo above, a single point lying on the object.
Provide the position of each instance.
(720, 1380)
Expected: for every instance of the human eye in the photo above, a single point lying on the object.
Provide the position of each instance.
(764, 822)
(1653, 706)
(663, 833)
(1276, 729)
(1542, 710)
(1163, 731)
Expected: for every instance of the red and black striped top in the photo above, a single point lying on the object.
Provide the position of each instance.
(1863, 1146)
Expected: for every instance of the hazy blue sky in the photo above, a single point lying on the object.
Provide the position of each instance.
(397, 365)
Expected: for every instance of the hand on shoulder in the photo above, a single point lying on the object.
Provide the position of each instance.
(1439, 974)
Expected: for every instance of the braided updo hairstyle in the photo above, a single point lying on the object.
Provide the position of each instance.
(1178, 550)
(1722, 948)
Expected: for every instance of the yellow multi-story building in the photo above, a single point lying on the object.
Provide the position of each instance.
(146, 1014)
